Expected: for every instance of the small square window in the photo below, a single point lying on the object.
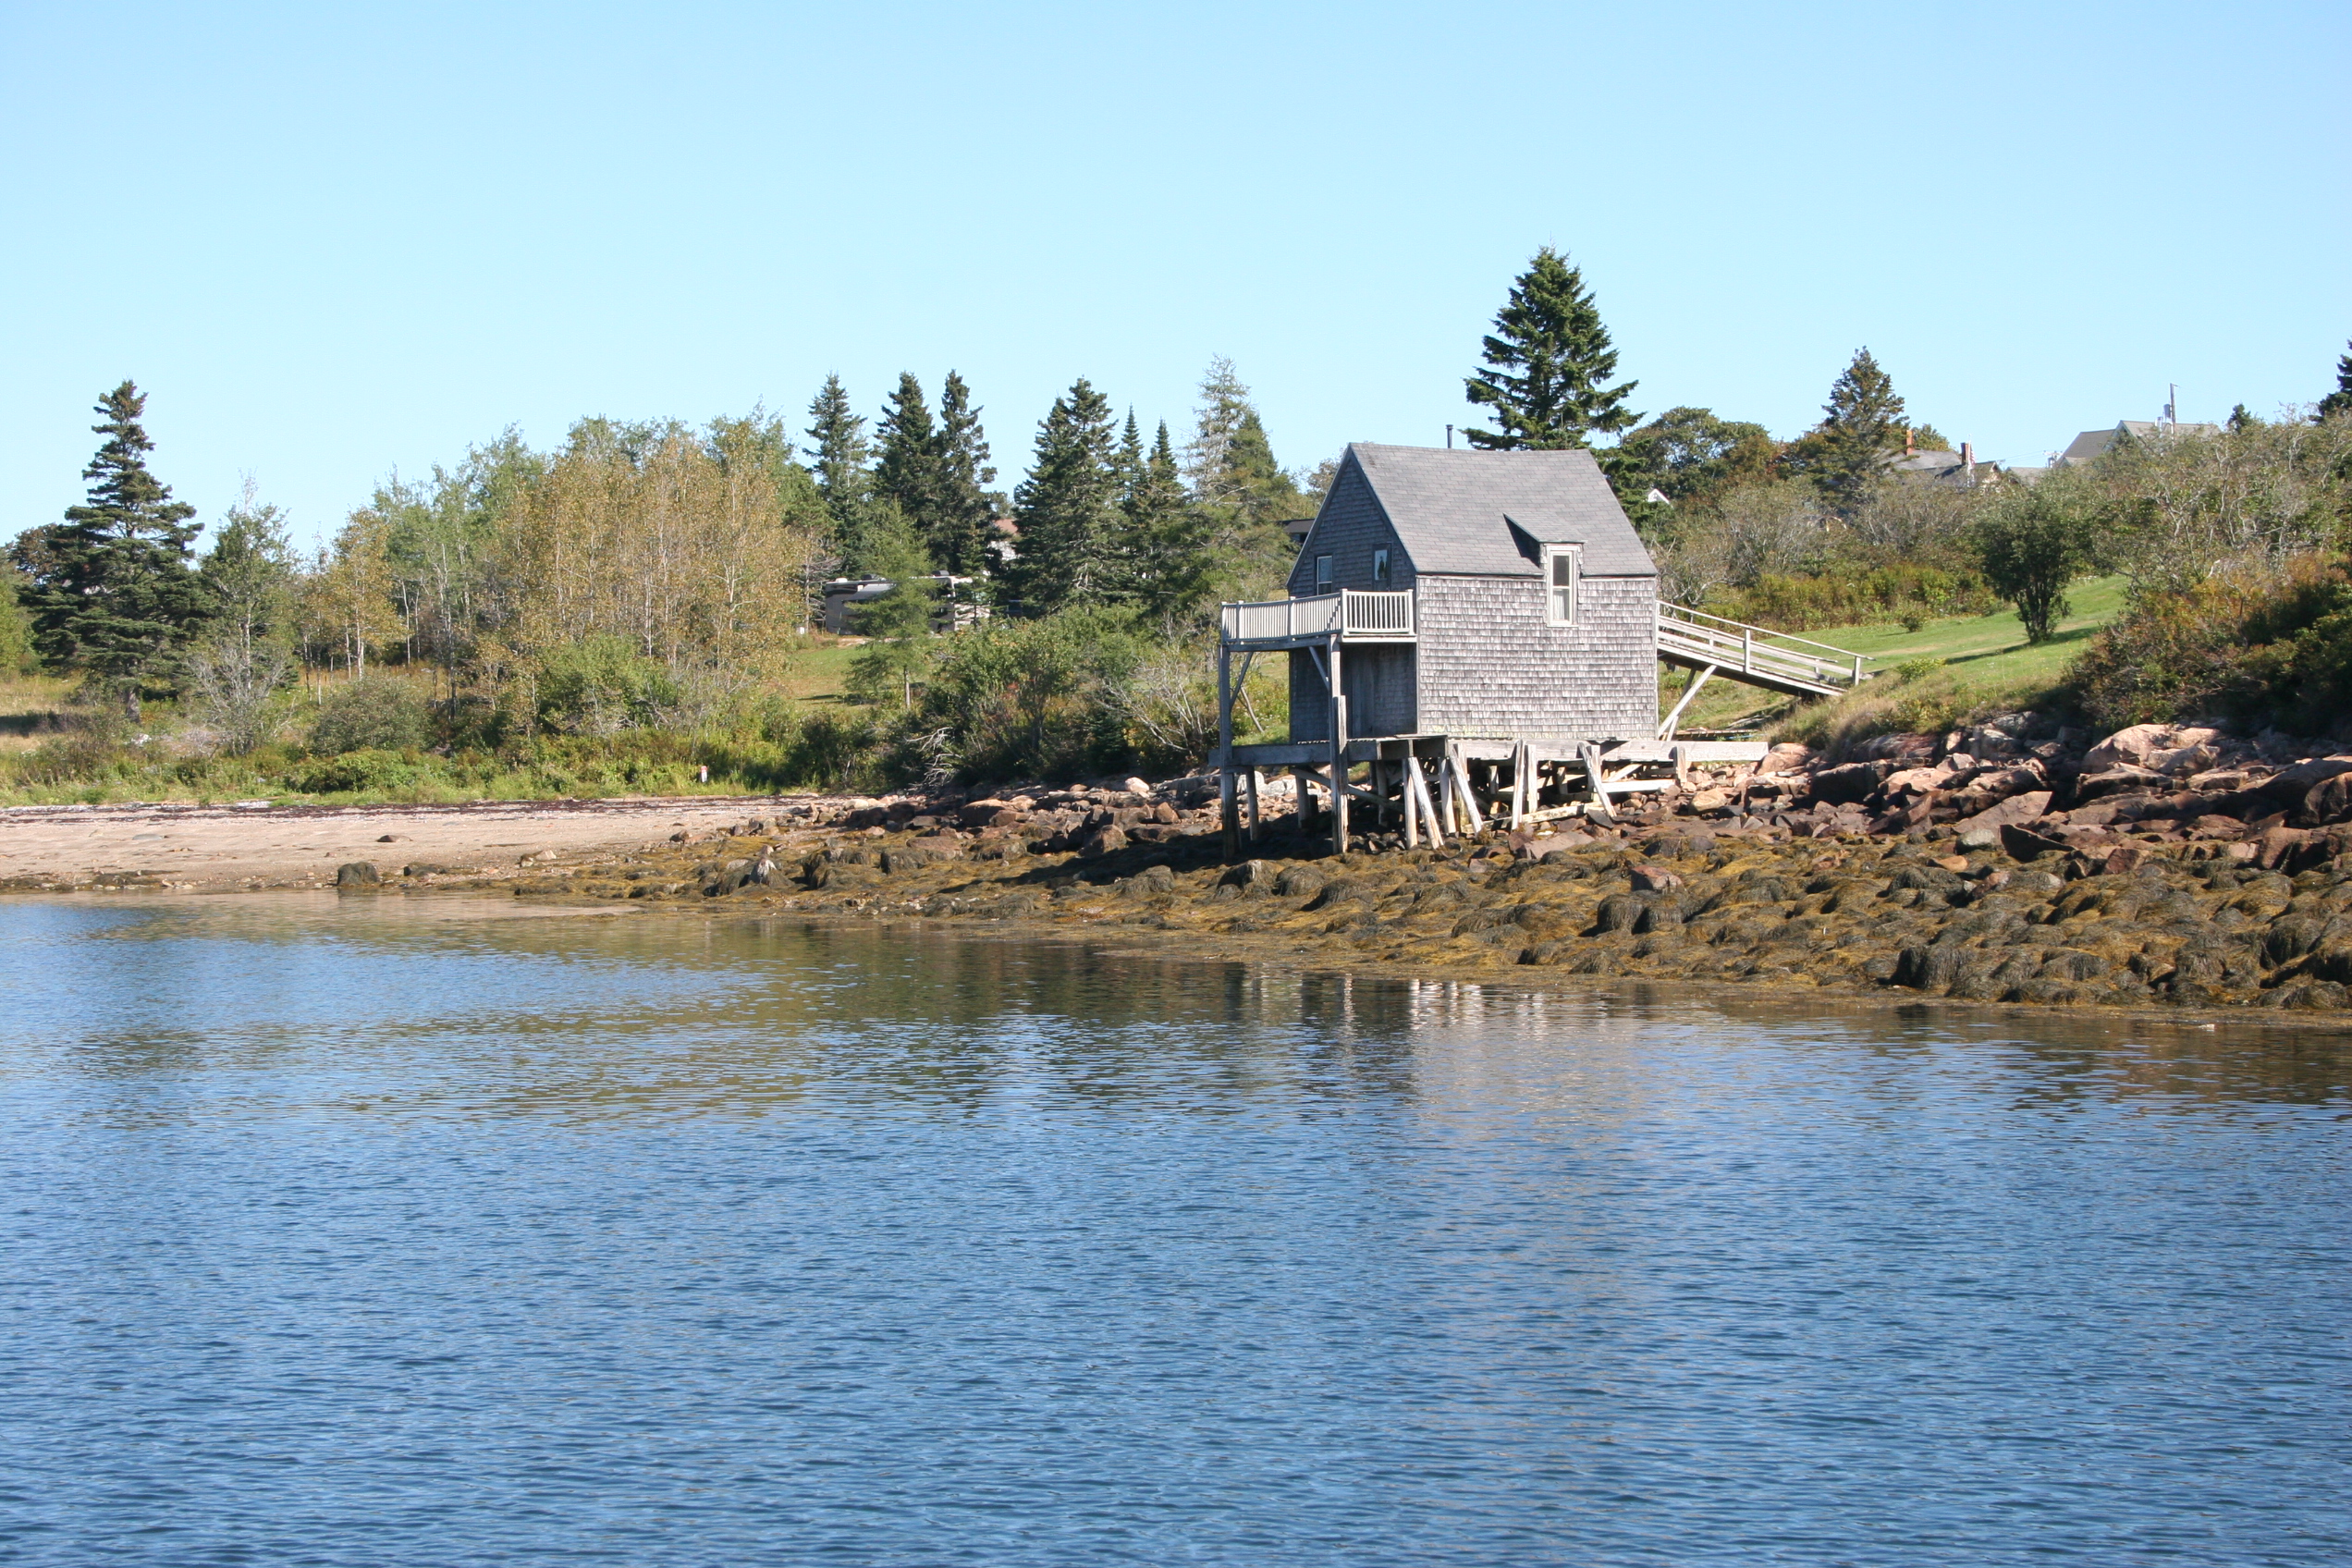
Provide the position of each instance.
(1381, 567)
(1322, 574)
(1562, 566)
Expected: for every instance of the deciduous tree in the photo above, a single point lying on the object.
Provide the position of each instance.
(247, 653)
(2031, 545)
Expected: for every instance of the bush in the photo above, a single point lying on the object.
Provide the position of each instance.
(2274, 649)
(601, 685)
(1036, 698)
(373, 771)
(1904, 594)
(376, 713)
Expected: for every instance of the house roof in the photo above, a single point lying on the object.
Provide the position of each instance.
(2090, 442)
(1465, 512)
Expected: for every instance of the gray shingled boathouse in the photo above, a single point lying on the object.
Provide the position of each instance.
(1481, 629)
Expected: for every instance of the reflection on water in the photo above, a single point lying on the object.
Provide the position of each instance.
(391, 1230)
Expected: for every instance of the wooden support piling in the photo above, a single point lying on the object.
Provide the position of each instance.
(1472, 821)
(1227, 815)
(1418, 783)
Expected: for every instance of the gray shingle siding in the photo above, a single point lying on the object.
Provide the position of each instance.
(1489, 665)
(1349, 528)
(1382, 687)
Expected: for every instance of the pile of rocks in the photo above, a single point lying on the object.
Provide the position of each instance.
(2255, 799)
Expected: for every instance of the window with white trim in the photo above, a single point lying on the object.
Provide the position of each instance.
(1322, 574)
(1380, 567)
(1563, 564)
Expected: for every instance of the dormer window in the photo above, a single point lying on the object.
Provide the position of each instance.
(1562, 565)
(1322, 574)
(1380, 567)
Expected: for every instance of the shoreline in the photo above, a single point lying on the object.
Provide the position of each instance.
(1869, 922)
(2134, 880)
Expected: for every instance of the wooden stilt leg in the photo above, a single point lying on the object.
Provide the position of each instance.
(1418, 783)
(1252, 806)
(1464, 796)
(1227, 817)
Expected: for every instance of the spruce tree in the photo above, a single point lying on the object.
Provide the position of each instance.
(2340, 400)
(1068, 508)
(837, 443)
(1549, 361)
(907, 471)
(960, 531)
(116, 595)
(1861, 427)
(1174, 568)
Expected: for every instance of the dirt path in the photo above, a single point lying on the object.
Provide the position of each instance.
(219, 847)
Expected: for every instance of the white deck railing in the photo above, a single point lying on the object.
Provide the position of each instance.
(1350, 613)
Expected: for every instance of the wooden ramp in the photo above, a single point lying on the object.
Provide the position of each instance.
(1774, 660)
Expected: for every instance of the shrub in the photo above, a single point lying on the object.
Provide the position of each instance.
(378, 713)
(1904, 593)
(2274, 649)
(1035, 698)
(602, 684)
(370, 770)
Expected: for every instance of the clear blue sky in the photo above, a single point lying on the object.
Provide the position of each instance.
(333, 240)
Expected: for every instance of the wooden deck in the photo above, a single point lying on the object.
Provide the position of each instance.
(1351, 615)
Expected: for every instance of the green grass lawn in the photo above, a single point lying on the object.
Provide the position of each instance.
(1982, 658)
(819, 674)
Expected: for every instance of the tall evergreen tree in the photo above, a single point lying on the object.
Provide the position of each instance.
(965, 506)
(1174, 568)
(1068, 508)
(2340, 400)
(907, 471)
(837, 443)
(1548, 360)
(114, 595)
(1861, 427)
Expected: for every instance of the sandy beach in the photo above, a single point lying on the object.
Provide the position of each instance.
(226, 848)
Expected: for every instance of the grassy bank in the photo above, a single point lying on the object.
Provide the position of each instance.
(1945, 673)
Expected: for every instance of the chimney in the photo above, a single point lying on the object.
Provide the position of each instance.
(1968, 460)
(1907, 441)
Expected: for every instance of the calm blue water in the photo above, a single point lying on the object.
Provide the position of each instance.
(374, 1234)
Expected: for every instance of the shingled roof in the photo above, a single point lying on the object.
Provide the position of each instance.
(1480, 513)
